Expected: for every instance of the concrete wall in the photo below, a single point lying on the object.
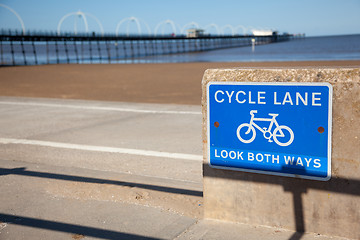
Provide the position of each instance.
(330, 208)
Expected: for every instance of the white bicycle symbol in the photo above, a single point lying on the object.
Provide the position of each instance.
(278, 134)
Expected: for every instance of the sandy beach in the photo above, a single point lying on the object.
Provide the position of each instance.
(176, 83)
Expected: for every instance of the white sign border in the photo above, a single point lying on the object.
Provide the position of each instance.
(274, 84)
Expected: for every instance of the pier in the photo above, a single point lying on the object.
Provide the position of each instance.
(34, 48)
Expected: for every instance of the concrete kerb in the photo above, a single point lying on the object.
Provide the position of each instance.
(330, 208)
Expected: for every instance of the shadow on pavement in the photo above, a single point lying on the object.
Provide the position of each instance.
(68, 228)
(24, 172)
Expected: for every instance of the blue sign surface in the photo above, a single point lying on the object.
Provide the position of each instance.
(271, 128)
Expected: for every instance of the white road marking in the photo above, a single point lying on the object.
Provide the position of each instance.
(130, 151)
(98, 108)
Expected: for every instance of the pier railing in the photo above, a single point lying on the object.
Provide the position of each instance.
(35, 48)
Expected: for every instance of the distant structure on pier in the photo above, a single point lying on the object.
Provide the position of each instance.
(264, 32)
(194, 33)
(137, 21)
(16, 15)
(83, 16)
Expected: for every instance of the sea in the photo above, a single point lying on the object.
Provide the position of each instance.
(340, 47)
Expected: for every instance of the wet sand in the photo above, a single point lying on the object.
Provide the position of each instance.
(176, 83)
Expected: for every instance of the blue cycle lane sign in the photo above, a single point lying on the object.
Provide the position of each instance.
(270, 128)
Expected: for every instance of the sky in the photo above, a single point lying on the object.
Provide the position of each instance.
(312, 17)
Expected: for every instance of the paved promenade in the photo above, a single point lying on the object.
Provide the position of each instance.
(73, 169)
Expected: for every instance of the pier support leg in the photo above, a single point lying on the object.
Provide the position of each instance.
(35, 53)
(23, 52)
